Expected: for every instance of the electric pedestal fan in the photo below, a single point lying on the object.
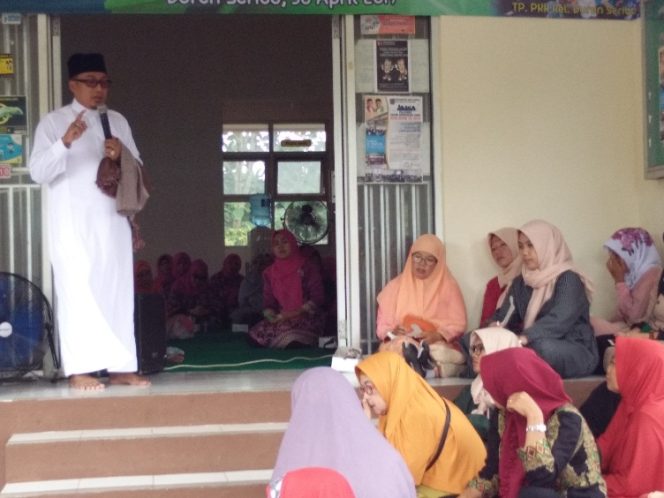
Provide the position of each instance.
(307, 220)
(26, 327)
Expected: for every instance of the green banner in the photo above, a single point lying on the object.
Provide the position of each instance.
(580, 9)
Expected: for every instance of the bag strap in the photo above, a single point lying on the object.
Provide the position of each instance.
(441, 443)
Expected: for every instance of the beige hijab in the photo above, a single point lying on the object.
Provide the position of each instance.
(505, 276)
(554, 258)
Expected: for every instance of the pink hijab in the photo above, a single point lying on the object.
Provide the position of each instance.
(554, 258)
(436, 299)
(285, 275)
(314, 482)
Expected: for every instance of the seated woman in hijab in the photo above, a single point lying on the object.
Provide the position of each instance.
(504, 248)
(632, 448)
(226, 285)
(192, 305)
(165, 276)
(328, 429)
(548, 305)
(250, 296)
(422, 311)
(474, 400)
(181, 264)
(636, 269)
(143, 280)
(293, 296)
(539, 444)
(434, 437)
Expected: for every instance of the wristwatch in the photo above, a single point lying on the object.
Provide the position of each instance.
(536, 428)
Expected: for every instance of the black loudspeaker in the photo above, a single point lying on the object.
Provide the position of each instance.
(150, 328)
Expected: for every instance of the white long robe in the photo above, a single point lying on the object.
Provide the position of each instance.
(90, 244)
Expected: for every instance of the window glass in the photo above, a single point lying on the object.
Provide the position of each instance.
(245, 138)
(299, 137)
(237, 223)
(299, 177)
(244, 177)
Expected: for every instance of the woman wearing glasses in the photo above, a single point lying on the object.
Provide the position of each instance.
(440, 447)
(548, 305)
(328, 429)
(421, 312)
(474, 400)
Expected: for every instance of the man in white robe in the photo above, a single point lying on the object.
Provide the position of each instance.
(90, 243)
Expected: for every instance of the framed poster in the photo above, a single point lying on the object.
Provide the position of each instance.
(653, 54)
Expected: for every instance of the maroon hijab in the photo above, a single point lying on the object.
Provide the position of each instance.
(285, 275)
(505, 373)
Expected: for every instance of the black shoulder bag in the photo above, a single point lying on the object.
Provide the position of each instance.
(443, 437)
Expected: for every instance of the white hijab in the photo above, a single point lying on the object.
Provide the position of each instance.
(494, 339)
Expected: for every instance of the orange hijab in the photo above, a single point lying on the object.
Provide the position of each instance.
(554, 258)
(436, 299)
(414, 424)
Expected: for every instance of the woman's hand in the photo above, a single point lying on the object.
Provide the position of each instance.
(617, 267)
(366, 409)
(523, 404)
(523, 339)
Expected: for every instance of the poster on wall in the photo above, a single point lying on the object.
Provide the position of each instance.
(653, 53)
(387, 25)
(392, 66)
(404, 135)
(13, 114)
(375, 121)
(11, 150)
(393, 140)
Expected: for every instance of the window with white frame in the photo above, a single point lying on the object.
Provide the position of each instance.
(267, 167)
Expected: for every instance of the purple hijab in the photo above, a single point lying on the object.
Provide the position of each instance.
(329, 429)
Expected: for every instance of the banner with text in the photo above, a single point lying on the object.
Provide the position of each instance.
(579, 9)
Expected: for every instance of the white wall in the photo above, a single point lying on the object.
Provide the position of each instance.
(542, 119)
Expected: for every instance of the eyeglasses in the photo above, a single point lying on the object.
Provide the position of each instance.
(92, 82)
(427, 260)
(477, 349)
(367, 389)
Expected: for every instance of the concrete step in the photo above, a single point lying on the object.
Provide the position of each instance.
(239, 484)
(58, 455)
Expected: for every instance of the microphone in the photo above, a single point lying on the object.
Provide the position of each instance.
(103, 116)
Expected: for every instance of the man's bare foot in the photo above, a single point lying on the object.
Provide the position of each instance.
(85, 382)
(129, 379)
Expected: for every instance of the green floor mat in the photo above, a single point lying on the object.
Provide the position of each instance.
(228, 351)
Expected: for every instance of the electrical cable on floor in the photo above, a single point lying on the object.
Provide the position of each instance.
(245, 363)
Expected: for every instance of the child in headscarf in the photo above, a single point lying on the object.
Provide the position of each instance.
(548, 305)
(539, 444)
(417, 422)
(423, 309)
(328, 429)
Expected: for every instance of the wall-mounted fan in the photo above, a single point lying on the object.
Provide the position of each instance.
(26, 327)
(307, 220)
